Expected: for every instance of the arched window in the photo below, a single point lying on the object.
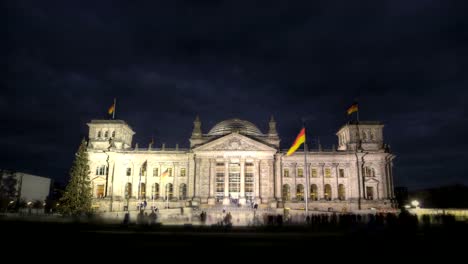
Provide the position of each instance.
(113, 134)
(327, 192)
(142, 190)
(313, 192)
(169, 191)
(155, 191)
(341, 192)
(286, 193)
(182, 191)
(128, 190)
(300, 192)
(106, 134)
(99, 134)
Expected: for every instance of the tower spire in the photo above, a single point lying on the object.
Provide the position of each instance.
(197, 133)
(272, 127)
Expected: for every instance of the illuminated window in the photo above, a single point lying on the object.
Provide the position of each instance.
(220, 180)
(300, 172)
(313, 192)
(341, 192)
(314, 173)
(142, 190)
(100, 190)
(300, 192)
(234, 178)
(369, 193)
(128, 190)
(286, 173)
(183, 191)
(169, 191)
(327, 193)
(129, 171)
(155, 191)
(286, 193)
(327, 172)
(155, 172)
(182, 172)
(101, 170)
(341, 171)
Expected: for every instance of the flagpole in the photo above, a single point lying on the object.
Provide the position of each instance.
(307, 175)
(115, 106)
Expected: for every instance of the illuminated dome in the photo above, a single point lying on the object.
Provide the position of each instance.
(235, 125)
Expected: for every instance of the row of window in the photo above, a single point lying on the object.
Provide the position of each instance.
(327, 192)
(105, 134)
(103, 170)
(313, 173)
(368, 172)
(155, 191)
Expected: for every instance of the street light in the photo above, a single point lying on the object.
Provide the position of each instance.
(415, 203)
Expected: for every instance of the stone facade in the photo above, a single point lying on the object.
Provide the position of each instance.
(236, 163)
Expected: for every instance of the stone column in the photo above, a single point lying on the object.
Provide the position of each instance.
(242, 182)
(191, 177)
(176, 180)
(271, 186)
(211, 196)
(294, 188)
(226, 200)
(257, 181)
(335, 193)
(321, 189)
(278, 179)
(196, 185)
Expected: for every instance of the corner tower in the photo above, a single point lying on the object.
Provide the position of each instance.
(110, 133)
(365, 135)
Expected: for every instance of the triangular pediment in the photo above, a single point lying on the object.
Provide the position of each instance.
(234, 142)
(371, 180)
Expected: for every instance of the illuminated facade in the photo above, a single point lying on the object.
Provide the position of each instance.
(235, 163)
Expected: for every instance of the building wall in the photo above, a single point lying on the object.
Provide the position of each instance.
(31, 187)
(269, 166)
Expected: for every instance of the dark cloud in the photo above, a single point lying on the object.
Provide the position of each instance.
(166, 61)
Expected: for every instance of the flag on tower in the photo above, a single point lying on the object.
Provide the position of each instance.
(353, 108)
(111, 109)
(300, 139)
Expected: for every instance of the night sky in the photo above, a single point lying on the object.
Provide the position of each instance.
(406, 62)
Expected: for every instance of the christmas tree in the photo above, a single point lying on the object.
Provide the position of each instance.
(77, 197)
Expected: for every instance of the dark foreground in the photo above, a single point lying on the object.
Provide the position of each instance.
(115, 241)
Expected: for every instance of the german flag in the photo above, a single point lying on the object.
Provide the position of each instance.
(353, 108)
(111, 109)
(165, 173)
(297, 143)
